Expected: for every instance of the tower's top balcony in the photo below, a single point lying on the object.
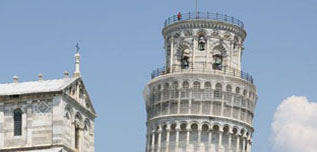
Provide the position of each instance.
(226, 70)
(204, 16)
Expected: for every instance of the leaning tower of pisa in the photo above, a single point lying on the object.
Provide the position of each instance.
(201, 100)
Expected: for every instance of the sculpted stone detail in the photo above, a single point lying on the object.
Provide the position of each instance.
(42, 107)
(188, 33)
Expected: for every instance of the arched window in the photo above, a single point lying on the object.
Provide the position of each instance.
(217, 64)
(68, 113)
(185, 58)
(86, 126)
(218, 86)
(196, 85)
(244, 92)
(218, 91)
(175, 85)
(228, 95)
(166, 86)
(207, 85)
(237, 90)
(185, 85)
(202, 43)
(229, 88)
(78, 120)
(219, 53)
(17, 122)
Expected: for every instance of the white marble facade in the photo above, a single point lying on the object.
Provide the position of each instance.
(201, 101)
(52, 115)
(49, 118)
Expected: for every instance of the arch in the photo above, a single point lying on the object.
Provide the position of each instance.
(235, 130)
(196, 85)
(166, 86)
(202, 40)
(173, 126)
(238, 90)
(68, 112)
(87, 125)
(219, 53)
(185, 85)
(175, 85)
(244, 92)
(229, 88)
(219, 50)
(78, 118)
(159, 87)
(17, 122)
(226, 129)
(242, 131)
(205, 127)
(202, 32)
(207, 85)
(183, 126)
(194, 126)
(216, 127)
(184, 54)
(218, 92)
(219, 86)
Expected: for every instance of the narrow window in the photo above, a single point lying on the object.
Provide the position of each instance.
(76, 137)
(17, 122)
(185, 58)
(217, 65)
(202, 43)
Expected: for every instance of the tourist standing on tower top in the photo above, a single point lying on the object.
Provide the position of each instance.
(179, 16)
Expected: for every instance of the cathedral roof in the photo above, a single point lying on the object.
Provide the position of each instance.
(40, 86)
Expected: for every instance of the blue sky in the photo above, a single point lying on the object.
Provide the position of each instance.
(121, 44)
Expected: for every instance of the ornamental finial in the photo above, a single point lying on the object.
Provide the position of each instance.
(77, 47)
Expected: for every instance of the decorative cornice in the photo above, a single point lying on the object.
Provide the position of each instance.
(190, 24)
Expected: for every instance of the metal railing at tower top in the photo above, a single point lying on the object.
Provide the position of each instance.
(226, 70)
(204, 16)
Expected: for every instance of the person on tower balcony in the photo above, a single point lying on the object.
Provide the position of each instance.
(179, 16)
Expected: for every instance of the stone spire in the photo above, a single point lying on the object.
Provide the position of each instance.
(77, 62)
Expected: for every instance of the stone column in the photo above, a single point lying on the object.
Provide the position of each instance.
(243, 143)
(172, 56)
(188, 129)
(238, 143)
(148, 144)
(199, 137)
(222, 103)
(179, 103)
(2, 124)
(169, 104)
(220, 147)
(230, 140)
(153, 141)
(232, 105)
(190, 102)
(161, 109)
(194, 51)
(159, 139)
(178, 129)
(29, 122)
(249, 144)
(168, 129)
(209, 139)
(207, 53)
(240, 113)
(211, 106)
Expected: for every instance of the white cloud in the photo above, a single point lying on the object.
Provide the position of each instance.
(294, 128)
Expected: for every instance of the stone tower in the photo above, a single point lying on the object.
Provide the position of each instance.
(201, 101)
(47, 115)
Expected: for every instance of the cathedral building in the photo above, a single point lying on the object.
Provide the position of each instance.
(47, 115)
(201, 100)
